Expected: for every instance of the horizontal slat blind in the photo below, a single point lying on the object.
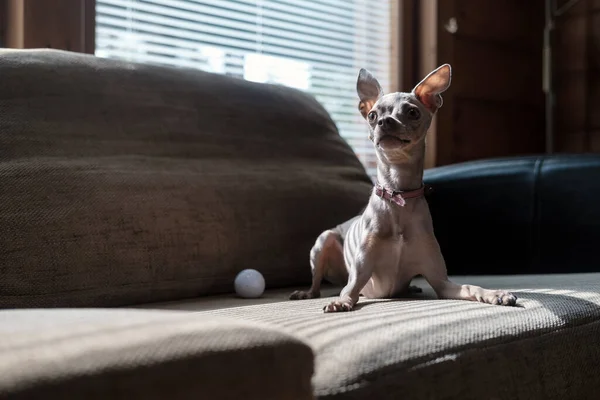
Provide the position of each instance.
(313, 45)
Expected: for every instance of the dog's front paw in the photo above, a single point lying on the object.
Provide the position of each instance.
(500, 298)
(302, 295)
(338, 306)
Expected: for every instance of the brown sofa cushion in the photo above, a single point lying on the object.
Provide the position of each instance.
(546, 348)
(127, 354)
(125, 183)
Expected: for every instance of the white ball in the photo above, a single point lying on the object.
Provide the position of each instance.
(249, 283)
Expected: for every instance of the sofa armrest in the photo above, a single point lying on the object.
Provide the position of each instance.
(533, 214)
(122, 354)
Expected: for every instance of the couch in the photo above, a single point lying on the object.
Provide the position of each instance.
(131, 196)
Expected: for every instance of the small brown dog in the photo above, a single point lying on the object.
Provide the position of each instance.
(379, 252)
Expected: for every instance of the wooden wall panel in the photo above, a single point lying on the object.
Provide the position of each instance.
(593, 101)
(509, 22)
(495, 106)
(509, 124)
(595, 141)
(570, 103)
(571, 142)
(594, 55)
(577, 78)
(569, 44)
(491, 71)
(580, 7)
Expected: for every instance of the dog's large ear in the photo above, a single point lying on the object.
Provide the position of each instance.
(369, 91)
(429, 90)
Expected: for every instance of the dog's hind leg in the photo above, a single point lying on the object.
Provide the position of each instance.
(446, 289)
(326, 261)
(434, 271)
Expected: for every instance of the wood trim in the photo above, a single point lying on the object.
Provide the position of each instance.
(89, 26)
(417, 54)
(395, 45)
(427, 62)
(407, 34)
(589, 51)
(58, 24)
(14, 23)
(445, 151)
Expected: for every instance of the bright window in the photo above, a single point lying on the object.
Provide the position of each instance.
(314, 45)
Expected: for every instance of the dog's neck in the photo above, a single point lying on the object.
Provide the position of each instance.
(405, 175)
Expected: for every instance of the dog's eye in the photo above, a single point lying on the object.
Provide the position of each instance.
(372, 115)
(414, 113)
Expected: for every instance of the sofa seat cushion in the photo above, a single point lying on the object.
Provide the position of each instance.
(424, 348)
(140, 354)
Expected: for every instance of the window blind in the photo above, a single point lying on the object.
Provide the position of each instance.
(314, 45)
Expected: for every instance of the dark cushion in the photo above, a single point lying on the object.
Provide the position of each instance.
(125, 183)
(531, 214)
(568, 226)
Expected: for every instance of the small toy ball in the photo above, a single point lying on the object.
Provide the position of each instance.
(249, 284)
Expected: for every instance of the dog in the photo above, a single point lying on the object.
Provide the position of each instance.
(377, 254)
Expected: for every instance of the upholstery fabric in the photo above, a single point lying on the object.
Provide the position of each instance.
(518, 215)
(124, 184)
(127, 354)
(423, 348)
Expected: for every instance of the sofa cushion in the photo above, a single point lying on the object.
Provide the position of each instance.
(569, 188)
(125, 183)
(518, 209)
(123, 354)
(546, 348)
(493, 203)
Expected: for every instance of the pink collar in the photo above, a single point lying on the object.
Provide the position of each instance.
(398, 197)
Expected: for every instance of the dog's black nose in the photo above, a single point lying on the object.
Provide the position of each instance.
(386, 122)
